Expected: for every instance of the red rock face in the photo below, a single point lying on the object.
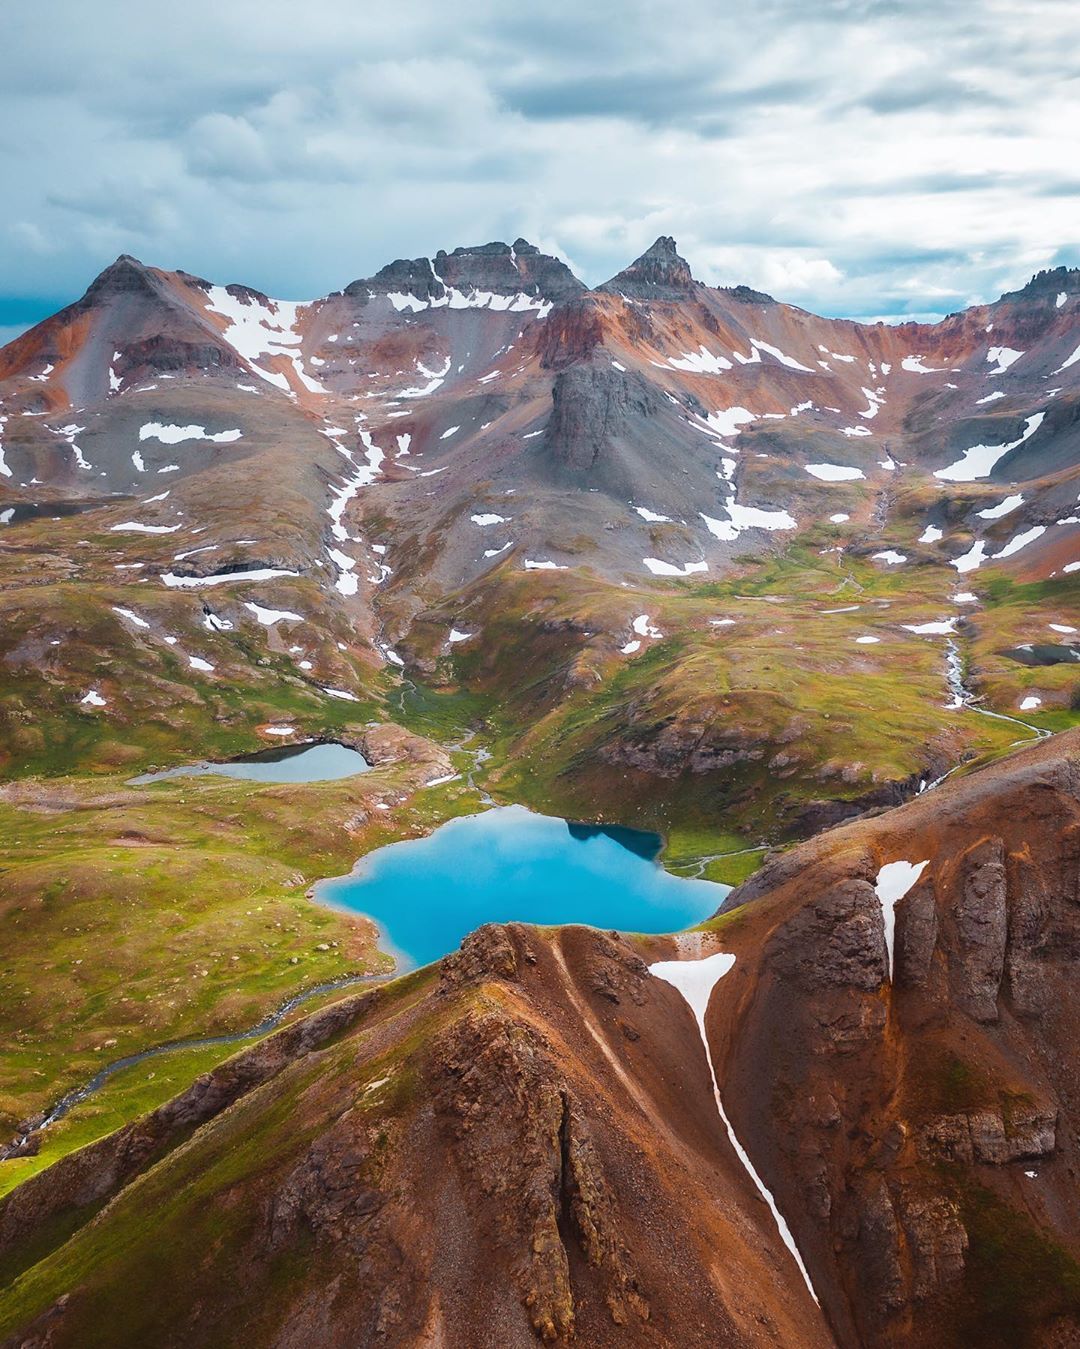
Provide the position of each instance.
(522, 1146)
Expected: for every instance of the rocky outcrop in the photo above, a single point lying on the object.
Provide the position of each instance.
(659, 274)
(126, 276)
(405, 276)
(992, 1136)
(520, 1139)
(593, 406)
(978, 913)
(683, 747)
(571, 334)
(154, 355)
(502, 269)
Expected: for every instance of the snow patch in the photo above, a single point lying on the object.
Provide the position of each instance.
(343, 694)
(727, 421)
(894, 880)
(1002, 508)
(834, 472)
(701, 362)
(268, 617)
(695, 981)
(1001, 358)
(1066, 364)
(659, 568)
(972, 560)
(915, 365)
(133, 527)
(979, 460)
(193, 582)
(173, 435)
(941, 628)
(1019, 541)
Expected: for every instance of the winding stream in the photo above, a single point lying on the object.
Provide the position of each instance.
(272, 1021)
(965, 698)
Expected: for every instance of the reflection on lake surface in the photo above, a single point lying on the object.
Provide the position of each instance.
(292, 763)
(506, 864)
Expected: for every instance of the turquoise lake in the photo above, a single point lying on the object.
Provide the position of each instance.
(506, 864)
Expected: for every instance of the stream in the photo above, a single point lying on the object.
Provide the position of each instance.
(966, 699)
(270, 1022)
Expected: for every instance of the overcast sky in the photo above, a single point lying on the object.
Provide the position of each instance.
(855, 157)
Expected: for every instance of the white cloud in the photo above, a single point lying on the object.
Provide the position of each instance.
(856, 158)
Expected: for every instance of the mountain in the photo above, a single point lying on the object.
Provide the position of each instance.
(798, 594)
(843, 1112)
(476, 442)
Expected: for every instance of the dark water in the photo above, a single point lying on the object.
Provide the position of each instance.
(290, 763)
(1043, 653)
(507, 864)
(16, 513)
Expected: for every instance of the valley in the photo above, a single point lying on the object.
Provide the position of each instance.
(791, 593)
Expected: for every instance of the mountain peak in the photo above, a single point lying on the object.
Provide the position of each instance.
(125, 276)
(1052, 281)
(660, 273)
(504, 269)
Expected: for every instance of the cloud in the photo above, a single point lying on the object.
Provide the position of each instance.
(855, 156)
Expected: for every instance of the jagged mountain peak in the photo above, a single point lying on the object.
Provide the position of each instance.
(660, 273)
(1050, 282)
(503, 269)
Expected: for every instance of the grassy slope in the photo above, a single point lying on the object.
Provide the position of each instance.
(829, 717)
(184, 1200)
(182, 914)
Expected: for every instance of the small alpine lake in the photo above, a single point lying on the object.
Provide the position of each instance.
(316, 761)
(510, 864)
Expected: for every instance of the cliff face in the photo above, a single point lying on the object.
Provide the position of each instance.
(921, 1123)
(522, 1144)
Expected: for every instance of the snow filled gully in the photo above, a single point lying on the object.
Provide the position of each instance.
(695, 980)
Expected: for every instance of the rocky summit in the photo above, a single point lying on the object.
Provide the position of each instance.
(793, 600)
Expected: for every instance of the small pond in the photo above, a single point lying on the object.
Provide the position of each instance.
(508, 864)
(1043, 653)
(16, 513)
(313, 762)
